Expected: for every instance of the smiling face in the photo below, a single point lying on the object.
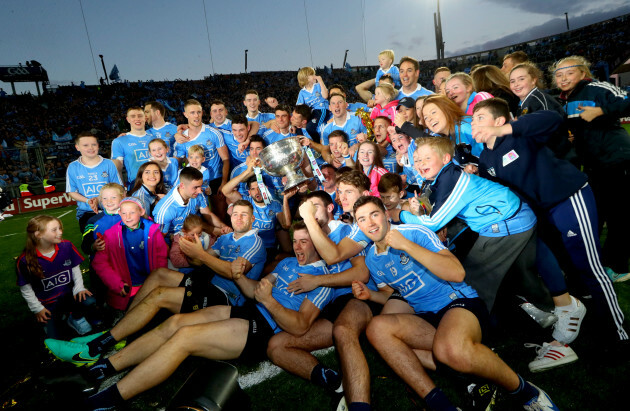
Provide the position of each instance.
(434, 119)
(130, 214)
(372, 221)
(242, 219)
(158, 151)
(218, 113)
(348, 195)
(136, 120)
(190, 189)
(193, 114)
(252, 102)
(88, 147)
(195, 160)
(303, 248)
(51, 235)
(391, 198)
(110, 200)
(366, 155)
(151, 176)
(457, 91)
(408, 75)
(400, 142)
(428, 162)
(240, 132)
(521, 83)
(322, 213)
(567, 77)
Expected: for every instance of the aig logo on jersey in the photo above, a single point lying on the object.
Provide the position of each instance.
(141, 154)
(92, 189)
(55, 281)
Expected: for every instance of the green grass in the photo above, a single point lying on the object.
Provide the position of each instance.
(590, 384)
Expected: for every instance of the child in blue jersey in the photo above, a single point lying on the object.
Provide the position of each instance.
(252, 103)
(149, 186)
(450, 317)
(50, 279)
(86, 175)
(195, 159)
(132, 149)
(315, 95)
(169, 165)
(386, 66)
(154, 112)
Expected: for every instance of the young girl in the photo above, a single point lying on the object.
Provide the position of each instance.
(492, 80)
(370, 162)
(169, 165)
(149, 186)
(461, 89)
(445, 118)
(384, 97)
(133, 249)
(50, 280)
(193, 225)
(602, 145)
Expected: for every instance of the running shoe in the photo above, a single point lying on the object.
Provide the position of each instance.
(541, 402)
(567, 328)
(549, 356)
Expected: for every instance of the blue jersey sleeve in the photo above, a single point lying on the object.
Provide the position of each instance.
(117, 149)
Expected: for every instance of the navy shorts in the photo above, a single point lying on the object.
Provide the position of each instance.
(200, 292)
(474, 305)
(259, 333)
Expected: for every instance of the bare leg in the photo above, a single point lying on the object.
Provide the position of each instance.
(293, 354)
(143, 347)
(161, 297)
(219, 340)
(398, 338)
(162, 277)
(356, 374)
(458, 344)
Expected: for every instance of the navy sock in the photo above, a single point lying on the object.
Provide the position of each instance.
(525, 391)
(101, 343)
(359, 406)
(108, 398)
(437, 401)
(326, 377)
(103, 368)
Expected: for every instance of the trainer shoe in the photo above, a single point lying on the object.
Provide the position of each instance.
(87, 338)
(78, 354)
(481, 397)
(549, 356)
(80, 325)
(567, 328)
(617, 278)
(541, 402)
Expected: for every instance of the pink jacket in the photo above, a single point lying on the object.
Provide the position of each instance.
(111, 263)
(388, 111)
(474, 99)
(375, 177)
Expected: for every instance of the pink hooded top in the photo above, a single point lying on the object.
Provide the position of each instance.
(388, 111)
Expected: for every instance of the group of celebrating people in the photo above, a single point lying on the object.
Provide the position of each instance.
(422, 209)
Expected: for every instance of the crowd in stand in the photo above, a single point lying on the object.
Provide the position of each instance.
(412, 223)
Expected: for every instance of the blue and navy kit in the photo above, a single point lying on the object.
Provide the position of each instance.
(133, 151)
(97, 224)
(146, 197)
(389, 161)
(167, 133)
(313, 98)
(423, 290)
(274, 184)
(524, 163)
(250, 247)
(488, 208)
(352, 126)
(170, 212)
(392, 71)
(265, 220)
(211, 140)
(418, 92)
(286, 271)
(88, 180)
(171, 173)
(205, 179)
(261, 118)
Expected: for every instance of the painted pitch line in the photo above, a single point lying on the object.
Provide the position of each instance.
(66, 213)
(8, 235)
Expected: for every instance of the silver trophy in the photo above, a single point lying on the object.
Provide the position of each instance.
(283, 158)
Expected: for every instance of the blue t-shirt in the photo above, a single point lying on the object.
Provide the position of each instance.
(88, 180)
(266, 221)
(167, 133)
(211, 140)
(389, 161)
(171, 173)
(392, 71)
(236, 157)
(135, 252)
(285, 272)
(418, 92)
(205, 179)
(424, 291)
(261, 118)
(273, 184)
(170, 212)
(133, 151)
(250, 247)
(313, 98)
(146, 197)
(352, 126)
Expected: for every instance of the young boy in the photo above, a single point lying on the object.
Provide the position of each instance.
(86, 175)
(391, 189)
(515, 154)
(132, 149)
(195, 159)
(386, 66)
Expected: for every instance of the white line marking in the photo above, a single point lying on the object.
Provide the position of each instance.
(66, 213)
(8, 235)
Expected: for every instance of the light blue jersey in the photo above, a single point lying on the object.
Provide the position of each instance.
(236, 157)
(265, 220)
(170, 212)
(205, 180)
(389, 161)
(146, 197)
(392, 71)
(352, 126)
(313, 98)
(418, 92)
(171, 173)
(261, 118)
(133, 151)
(250, 247)
(270, 136)
(211, 140)
(88, 180)
(285, 272)
(225, 126)
(358, 237)
(273, 184)
(167, 133)
(424, 291)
